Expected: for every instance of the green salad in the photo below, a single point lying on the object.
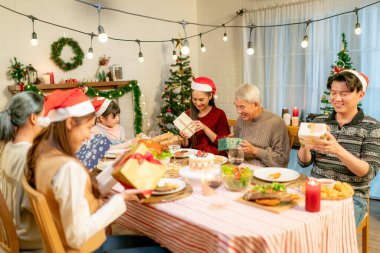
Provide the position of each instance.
(268, 188)
(235, 178)
(164, 154)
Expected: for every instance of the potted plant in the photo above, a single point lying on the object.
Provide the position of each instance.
(17, 71)
(103, 69)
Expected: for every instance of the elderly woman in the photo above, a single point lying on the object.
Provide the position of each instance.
(265, 136)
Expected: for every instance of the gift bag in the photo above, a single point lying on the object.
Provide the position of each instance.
(94, 149)
(138, 169)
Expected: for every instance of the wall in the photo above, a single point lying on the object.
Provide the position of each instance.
(151, 74)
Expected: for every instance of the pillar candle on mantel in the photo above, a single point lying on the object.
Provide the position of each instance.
(51, 74)
(295, 121)
(313, 196)
(295, 112)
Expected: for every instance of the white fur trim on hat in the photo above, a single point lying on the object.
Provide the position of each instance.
(360, 77)
(103, 107)
(201, 87)
(61, 114)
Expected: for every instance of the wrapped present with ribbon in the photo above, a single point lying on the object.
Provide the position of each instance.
(139, 170)
(227, 143)
(184, 123)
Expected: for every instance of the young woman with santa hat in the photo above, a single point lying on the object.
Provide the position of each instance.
(18, 128)
(74, 197)
(210, 121)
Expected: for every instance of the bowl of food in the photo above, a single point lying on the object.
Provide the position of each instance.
(236, 178)
(326, 182)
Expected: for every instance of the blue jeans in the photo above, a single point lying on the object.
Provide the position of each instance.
(360, 208)
(130, 244)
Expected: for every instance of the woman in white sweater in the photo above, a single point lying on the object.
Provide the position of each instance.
(18, 128)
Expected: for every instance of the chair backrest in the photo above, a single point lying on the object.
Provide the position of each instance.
(44, 219)
(293, 133)
(8, 235)
(232, 124)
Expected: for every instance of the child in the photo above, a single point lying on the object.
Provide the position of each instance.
(73, 195)
(107, 122)
(18, 128)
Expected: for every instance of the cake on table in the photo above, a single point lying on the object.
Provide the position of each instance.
(201, 161)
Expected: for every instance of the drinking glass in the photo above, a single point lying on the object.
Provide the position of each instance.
(174, 147)
(213, 179)
(236, 155)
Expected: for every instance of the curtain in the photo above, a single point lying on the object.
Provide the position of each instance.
(289, 75)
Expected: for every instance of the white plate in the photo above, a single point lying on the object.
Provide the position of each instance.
(113, 153)
(286, 174)
(103, 165)
(220, 159)
(185, 172)
(163, 181)
(189, 151)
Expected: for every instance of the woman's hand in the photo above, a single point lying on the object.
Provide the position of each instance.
(327, 146)
(198, 125)
(183, 135)
(248, 147)
(131, 195)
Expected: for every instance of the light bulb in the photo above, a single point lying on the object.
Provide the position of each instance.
(225, 38)
(305, 42)
(250, 50)
(185, 50)
(203, 48)
(90, 53)
(34, 40)
(358, 30)
(174, 55)
(103, 37)
(141, 57)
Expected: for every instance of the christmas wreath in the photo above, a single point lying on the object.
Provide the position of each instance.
(56, 50)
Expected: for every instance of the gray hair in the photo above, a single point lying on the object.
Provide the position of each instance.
(17, 112)
(248, 92)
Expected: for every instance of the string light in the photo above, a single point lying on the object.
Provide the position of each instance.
(225, 37)
(250, 50)
(34, 40)
(141, 56)
(174, 55)
(203, 48)
(305, 41)
(102, 37)
(357, 30)
(185, 50)
(90, 53)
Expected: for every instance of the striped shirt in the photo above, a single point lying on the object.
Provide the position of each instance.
(361, 137)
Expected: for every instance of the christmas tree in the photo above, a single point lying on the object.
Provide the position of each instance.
(176, 95)
(343, 62)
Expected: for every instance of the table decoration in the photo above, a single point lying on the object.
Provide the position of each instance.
(312, 196)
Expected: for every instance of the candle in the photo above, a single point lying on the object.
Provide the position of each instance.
(46, 79)
(313, 196)
(284, 110)
(295, 112)
(51, 74)
(287, 119)
(295, 121)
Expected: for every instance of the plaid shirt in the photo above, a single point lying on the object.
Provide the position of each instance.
(361, 137)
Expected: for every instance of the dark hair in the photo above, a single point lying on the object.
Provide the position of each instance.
(17, 112)
(112, 108)
(55, 137)
(352, 81)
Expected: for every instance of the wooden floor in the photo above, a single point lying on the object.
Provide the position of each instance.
(374, 228)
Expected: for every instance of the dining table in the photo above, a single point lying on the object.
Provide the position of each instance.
(221, 223)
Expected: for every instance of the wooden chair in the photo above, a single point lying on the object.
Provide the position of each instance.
(364, 228)
(44, 219)
(293, 133)
(232, 124)
(8, 235)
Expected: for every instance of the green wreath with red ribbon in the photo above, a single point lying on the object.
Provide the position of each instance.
(56, 50)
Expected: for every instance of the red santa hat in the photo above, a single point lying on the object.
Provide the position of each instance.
(60, 105)
(363, 78)
(204, 84)
(100, 104)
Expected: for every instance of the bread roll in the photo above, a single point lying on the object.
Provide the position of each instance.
(152, 145)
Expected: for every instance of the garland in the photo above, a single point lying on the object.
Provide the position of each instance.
(56, 50)
(111, 94)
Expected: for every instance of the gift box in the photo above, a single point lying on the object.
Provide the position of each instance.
(309, 132)
(94, 149)
(184, 123)
(138, 169)
(227, 143)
